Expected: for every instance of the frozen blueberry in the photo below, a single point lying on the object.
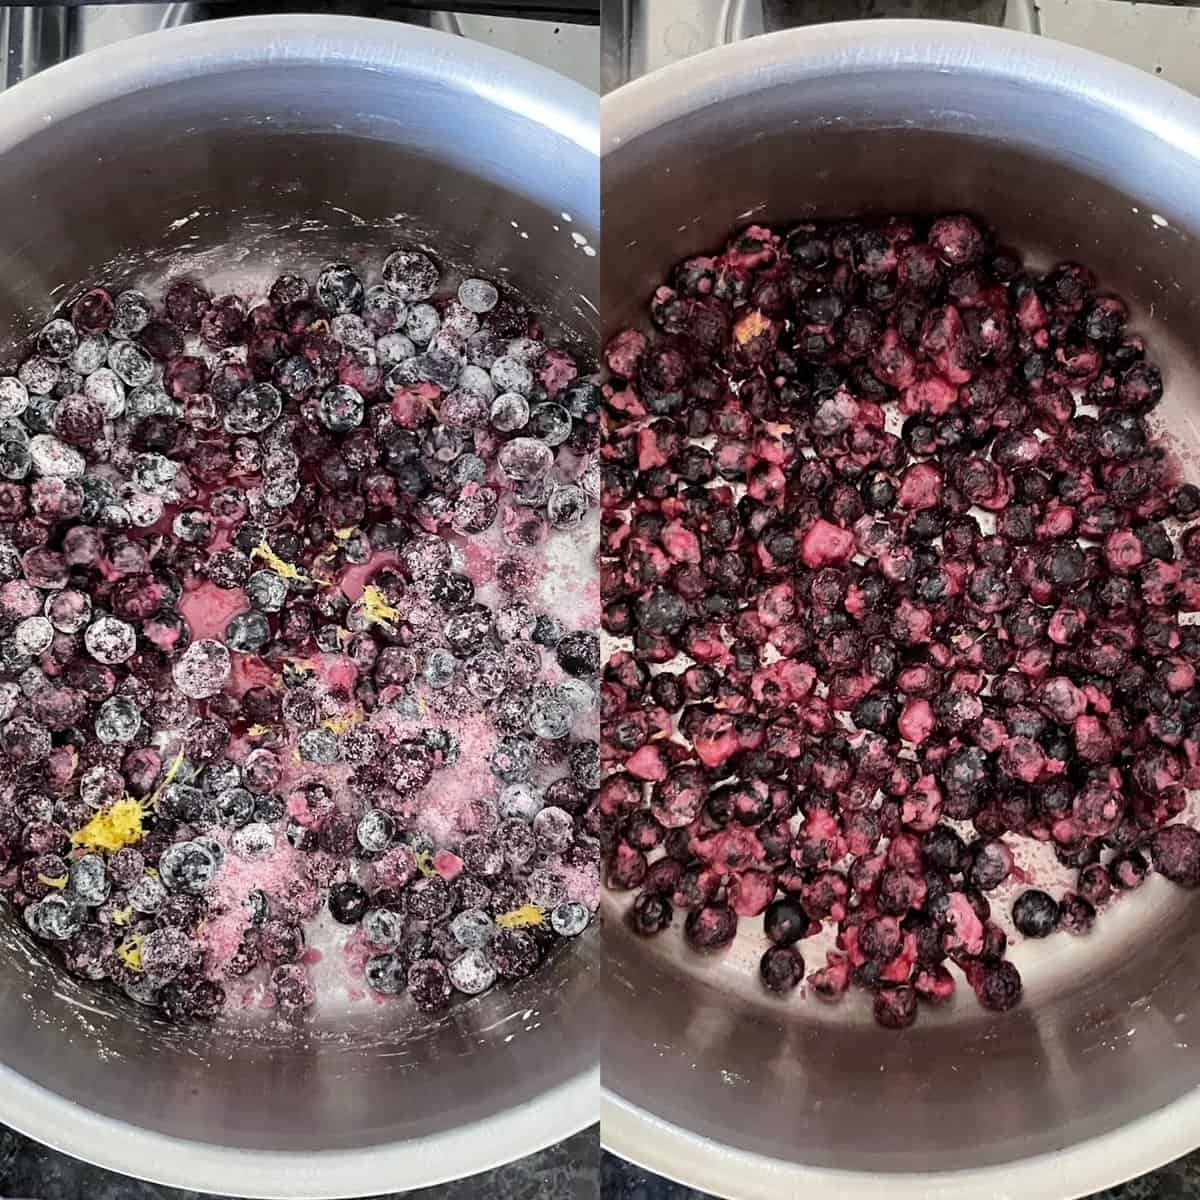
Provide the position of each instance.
(569, 919)
(471, 973)
(248, 632)
(566, 506)
(89, 880)
(473, 928)
(376, 831)
(579, 653)
(117, 720)
(341, 409)
(339, 288)
(130, 363)
(110, 641)
(411, 275)
(318, 746)
(253, 409)
(235, 806)
(478, 295)
(55, 919)
(267, 591)
(187, 867)
(387, 974)
(382, 927)
(202, 669)
(146, 895)
(348, 902)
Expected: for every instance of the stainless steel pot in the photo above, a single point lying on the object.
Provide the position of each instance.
(1092, 1080)
(237, 148)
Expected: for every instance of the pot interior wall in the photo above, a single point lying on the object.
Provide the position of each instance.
(1106, 1032)
(237, 174)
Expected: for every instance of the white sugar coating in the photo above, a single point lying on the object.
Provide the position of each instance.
(393, 348)
(39, 375)
(422, 323)
(254, 842)
(14, 396)
(55, 458)
(411, 275)
(131, 363)
(110, 641)
(510, 375)
(202, 669)
(90, 354)
(477, 380)
(570, 918)
(144, 509)
(33, 635)
(478, 295)
(471, 972)
(525, 350)
(473, 928)
(105, 387)
(525, 458)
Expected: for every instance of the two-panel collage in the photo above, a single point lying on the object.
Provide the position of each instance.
(600, 601)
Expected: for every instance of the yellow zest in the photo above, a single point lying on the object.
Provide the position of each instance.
(425, 864)
(152, 871)
(122, 916)
(376, 608)
(750, 326)
(130, 952)
(46, 881)
(168, 779)
(527, 914)
(257, 731)
(280, 566)
(344, 535)
(339, 725)
(120, 825)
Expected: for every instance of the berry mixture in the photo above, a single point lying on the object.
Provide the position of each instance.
(897, 581)
(278, 641)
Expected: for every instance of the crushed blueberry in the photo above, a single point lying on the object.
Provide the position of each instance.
(894, 568)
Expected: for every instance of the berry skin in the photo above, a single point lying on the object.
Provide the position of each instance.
(781, 969)
(1035, 914)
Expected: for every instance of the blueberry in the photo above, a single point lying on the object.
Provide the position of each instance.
(146, 895)
(473, 928)
(248, 632)
(187, 867)
(382, 927)
(54, 919)
(569, 919)
(387, 974)
(253, 409)
(471, 972)
(785, 922)
(579, 654)
(341, 409)
(410, 274)
(781, 968)
(339, 288)
(348, 902)
(117, 720)
(376, 831)
(550, 423)
(566, 506)
(89, 880)
(235, 806)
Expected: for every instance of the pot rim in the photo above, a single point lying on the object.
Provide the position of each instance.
(811, 53)
(499, 78)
